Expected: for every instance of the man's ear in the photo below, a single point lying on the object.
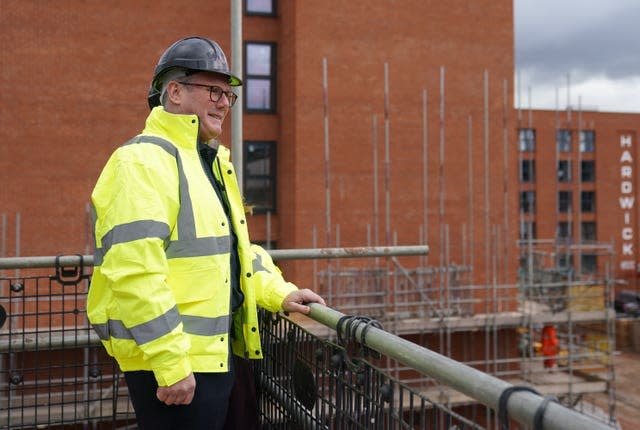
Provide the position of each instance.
(174, 92)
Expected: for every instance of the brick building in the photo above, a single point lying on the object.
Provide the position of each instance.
(75, 77)
(578, 184)
(363, 125)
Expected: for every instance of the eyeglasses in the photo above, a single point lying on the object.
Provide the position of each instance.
(215, 92)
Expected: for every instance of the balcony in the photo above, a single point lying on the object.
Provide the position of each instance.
(331, 369)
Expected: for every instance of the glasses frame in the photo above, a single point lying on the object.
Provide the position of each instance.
(231, 96)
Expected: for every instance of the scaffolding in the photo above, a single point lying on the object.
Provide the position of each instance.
(498, 329)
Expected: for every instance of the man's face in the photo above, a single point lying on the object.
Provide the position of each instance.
(197, 100)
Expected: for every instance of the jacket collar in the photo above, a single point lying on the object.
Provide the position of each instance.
(182, 130)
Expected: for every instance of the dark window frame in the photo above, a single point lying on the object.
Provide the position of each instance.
(527, 139)
(588, 231)
(564, 230)
(563, 140)
(588, 174)
(588, 263)
(565, 201)
(270, 78)
(273, 13)
(269, 177)
(528, 202)
(587, 141)
(588, 201)
(528, 171)
(564, 262)
(524, 230)
(564, 173)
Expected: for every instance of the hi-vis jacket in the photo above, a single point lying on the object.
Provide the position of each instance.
(160, 293)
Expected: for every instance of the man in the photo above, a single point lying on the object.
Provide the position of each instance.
(176, 281)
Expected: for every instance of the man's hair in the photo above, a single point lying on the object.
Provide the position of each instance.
(172, 75)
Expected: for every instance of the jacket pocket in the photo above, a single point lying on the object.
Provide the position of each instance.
(194, 285)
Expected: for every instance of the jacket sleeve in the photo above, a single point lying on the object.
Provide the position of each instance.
(136, 204)
(271, 288)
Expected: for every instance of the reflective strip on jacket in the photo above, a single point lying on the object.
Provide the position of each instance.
(160, 293)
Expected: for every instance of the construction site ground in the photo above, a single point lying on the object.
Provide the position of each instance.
(627, 368)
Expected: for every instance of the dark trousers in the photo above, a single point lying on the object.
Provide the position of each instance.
(219, 398)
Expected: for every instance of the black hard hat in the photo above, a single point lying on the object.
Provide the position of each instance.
(153, 98)
(193, 53)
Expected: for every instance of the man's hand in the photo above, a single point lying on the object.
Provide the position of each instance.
(180, 393)
(294, 301)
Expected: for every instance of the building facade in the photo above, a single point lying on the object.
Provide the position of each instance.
(579, 187)
(363, 124)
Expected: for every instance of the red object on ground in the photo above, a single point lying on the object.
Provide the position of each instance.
(549, 346)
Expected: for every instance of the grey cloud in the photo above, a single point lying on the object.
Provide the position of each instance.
(584, 43)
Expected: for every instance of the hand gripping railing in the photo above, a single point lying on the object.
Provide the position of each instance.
(520, 403)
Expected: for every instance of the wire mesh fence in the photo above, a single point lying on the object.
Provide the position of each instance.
(312, 383)
(54, 372)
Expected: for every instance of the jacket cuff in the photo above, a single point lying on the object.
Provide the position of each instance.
(166, 376)
(278, 294)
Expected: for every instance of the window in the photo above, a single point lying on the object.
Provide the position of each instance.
(260, 7)
(564, 171)
(588, 171)
(528, 202)
(587, 141)
(563, 140)
(588, 231)
(260, 77)
(527, 139)
(527, 170)
(564, 201)
(564, 230)
(564, 262)
(588, 201)
(527, 230)
(589, 263)
(259, 162)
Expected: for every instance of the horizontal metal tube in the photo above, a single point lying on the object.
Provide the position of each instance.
(277, 254)
(34, 341)
(484, 388)
(316, 253)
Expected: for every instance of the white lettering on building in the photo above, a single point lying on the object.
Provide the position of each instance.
(627, 202)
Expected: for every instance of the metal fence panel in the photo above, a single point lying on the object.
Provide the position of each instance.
(53, 371)
(310, 383)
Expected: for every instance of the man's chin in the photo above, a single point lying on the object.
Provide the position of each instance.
(211, 135)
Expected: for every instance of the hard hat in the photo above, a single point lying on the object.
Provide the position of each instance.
(193, 53)
(153, 98)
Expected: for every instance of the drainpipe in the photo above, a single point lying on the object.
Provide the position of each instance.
(236, 69)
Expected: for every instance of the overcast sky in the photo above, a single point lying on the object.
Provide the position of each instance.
(587, 51)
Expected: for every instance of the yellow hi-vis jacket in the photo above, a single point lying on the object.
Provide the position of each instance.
(160, 294)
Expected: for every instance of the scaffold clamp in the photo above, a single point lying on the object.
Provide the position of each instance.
(66, 275)
(539, 414)
(347, 334)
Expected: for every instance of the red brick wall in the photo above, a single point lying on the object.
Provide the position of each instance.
(73, 82)
(415, 40)
(73, 85)
(612, 225)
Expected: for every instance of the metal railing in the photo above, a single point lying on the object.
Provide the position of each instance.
(522, 406)
(53, 370)
(310, 383)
